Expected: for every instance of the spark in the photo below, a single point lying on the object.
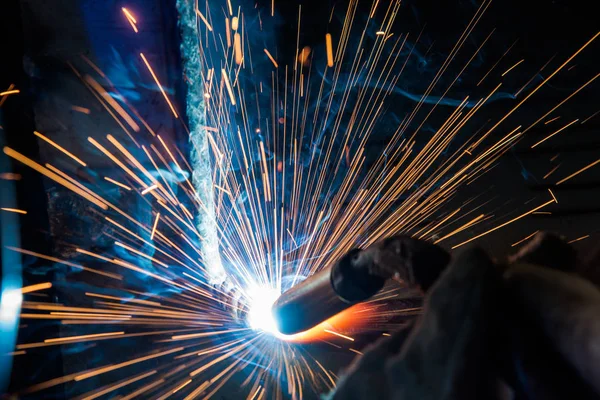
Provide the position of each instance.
(178, 388)
(551, 120)
(553, 196)
(203, 18)
(130, 18)
(339, 334)
(9, 92)
(82, 110)
(228, 85)
(578, 172)
(374, 9)
(14, 210)
(590, 117)
(497, 62)
(551, 171)
(65, 262)
(115, 160)
(222, 189)
(112, 102)
(129, 15)
(149, 189)
(159, 85)
(503, 225)
(227, 34)
(9, 176)
(109, 368)
(237, 48)
(329, 45)
(271, 58)
(112, 388)
(58, 179)
(154, 226)
(558, 131)
(234, 23)
(59, 148)
(511, 68)
(578, 239)
(117, 183)
(91, 336)
(36, 287)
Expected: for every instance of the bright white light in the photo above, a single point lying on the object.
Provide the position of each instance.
(260, 301)
(10, 304)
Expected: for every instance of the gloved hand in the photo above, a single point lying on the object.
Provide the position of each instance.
(526, 329)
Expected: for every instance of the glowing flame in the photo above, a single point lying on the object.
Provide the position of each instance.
(260, 317)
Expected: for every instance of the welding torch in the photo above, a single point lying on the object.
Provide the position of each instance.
(358, 276)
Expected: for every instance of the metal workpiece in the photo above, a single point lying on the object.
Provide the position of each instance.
(325, 294)
(356, 277)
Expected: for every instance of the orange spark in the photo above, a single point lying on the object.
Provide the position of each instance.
(578, 172)
(99, 371)
(578, 239)
(228, 85)
(117, 183)
(329, 46)
(129, 15)
(553, 196)
(551, 171)
(34, 288)
(271, 58)
(504, 224)
(374, 9)
(181, 386)
(9, 176)
(524, 239)
(303, 57)
(36, 133)
(112, 102)
(339, 334)
(159, 85)
(558, 131)
(511, 68)
(94, 335)
(227, 34)
(204, 19)
(154, 226)
(9, 92)
(237, 48)
(82, 110)
(55, 177)
(130, 18)
(149, 189)
(552, 120)
(14, 210)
